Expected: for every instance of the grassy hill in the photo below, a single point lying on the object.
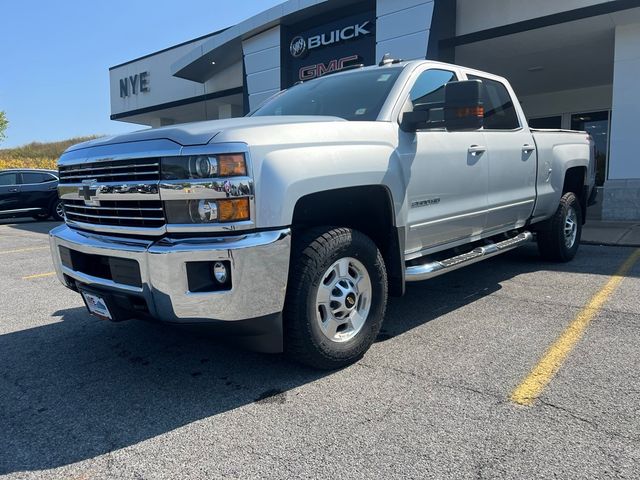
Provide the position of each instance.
(36, 154)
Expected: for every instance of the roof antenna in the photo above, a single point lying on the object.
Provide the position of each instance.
(388, 60)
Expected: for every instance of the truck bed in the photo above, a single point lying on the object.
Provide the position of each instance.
(559, 150)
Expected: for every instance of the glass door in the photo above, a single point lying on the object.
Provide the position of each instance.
(597, 124)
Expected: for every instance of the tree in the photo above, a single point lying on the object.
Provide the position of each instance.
(4, 123)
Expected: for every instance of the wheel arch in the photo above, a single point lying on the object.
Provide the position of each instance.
(368, 209)
(576, 181)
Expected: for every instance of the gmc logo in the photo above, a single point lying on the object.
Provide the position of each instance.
(318, 70)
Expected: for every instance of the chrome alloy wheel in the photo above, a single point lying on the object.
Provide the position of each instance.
(570, 227)
(60, 210)
(343, 300)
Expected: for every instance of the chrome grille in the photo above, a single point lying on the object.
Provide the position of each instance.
(113, 171)
(120, 213)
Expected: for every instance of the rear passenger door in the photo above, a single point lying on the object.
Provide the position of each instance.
(511, 158)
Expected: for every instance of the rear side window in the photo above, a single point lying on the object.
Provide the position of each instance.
(499, 110)
(8, 178)
(36, 177)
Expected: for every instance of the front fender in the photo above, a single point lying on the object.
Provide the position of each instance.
(288, 174)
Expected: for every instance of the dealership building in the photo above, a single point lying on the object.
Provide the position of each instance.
(575, 64)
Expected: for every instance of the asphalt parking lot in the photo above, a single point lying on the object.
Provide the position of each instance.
(81, 398)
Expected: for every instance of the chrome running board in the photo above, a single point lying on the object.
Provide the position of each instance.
(417, 273)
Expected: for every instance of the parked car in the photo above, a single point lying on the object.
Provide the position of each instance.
(30, 193)
(291, 226)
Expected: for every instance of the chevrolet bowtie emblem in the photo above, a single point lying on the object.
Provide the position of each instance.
(88, 191)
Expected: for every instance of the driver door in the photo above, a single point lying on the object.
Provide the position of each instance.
(447, 174)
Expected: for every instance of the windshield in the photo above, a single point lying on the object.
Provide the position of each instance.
(354, 96)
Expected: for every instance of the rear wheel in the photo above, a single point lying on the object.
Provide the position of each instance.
(336, 297)
(560, 241)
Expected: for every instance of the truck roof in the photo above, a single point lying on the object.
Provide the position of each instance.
(415, 64)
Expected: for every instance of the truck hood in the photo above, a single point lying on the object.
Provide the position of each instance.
(201, 133)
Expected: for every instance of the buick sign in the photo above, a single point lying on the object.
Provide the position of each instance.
(300, 46)
(328, 45)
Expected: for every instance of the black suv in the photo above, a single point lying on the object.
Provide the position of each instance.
(30, 193)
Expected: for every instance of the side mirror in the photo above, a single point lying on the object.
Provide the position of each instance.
(463, 108)
(415, 120)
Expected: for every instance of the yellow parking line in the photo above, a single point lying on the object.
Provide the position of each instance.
(38, 275)
(18, 250)
(532, 386)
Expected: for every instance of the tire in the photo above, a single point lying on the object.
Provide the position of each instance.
(327, 262)
(559, 242)
(57, 212)
(41, 217)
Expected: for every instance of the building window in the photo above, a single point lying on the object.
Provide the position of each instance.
(597, 125)
(554, 122)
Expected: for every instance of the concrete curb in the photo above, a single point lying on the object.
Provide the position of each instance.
(620, 234)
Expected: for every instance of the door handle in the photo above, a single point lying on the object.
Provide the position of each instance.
(13, 190)
(526, 148)
(476, 150)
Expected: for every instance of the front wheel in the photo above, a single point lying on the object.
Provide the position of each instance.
(336, 297)
(57, 210)
(560, 240)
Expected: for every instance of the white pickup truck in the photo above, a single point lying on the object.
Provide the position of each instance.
(290, 227)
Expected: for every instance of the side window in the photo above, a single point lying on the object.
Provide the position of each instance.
(35, 177)
(499, 110)
(8, 178)
(428, 94)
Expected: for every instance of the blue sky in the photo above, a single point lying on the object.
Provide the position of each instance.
(54, 78)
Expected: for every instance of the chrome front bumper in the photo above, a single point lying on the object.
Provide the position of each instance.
(259, 269)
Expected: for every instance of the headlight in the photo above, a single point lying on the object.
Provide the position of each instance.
(203, 211)
(233, 210)
(208, 211)
(204, 166)
(232, 165)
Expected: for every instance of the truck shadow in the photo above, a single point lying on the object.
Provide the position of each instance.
(77, 388)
